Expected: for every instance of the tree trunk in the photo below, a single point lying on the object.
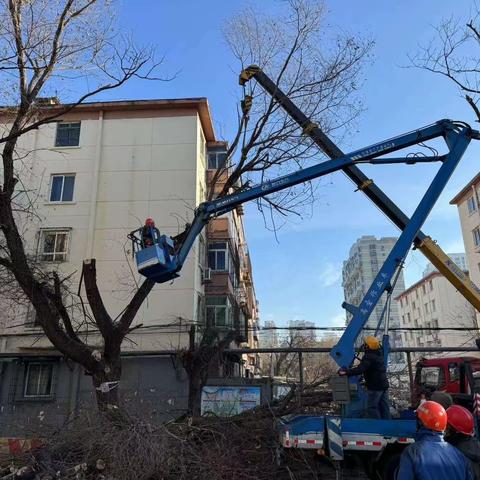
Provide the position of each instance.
(106, 382)
(195, 386)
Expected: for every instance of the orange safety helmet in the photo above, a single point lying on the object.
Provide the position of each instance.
(432, 416)
(149, 222)
(460, 419)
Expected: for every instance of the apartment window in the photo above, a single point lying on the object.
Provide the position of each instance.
(430, 283)
(426, 308)
(218, 311)
(433, 305)
(406, 300)
(61, 188)
(476, 237)
(424, 289)
(471, 205)
(216, 160)
(403, 319)
(416, 295)
(401, 303)
(68, 134)
(54, 245)
(415, 322)
(408, 317)
(414, 306)
(38, 380)
(218, 256)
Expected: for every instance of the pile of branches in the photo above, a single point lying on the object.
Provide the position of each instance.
(244, 447)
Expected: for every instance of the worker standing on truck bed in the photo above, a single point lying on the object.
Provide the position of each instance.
(372, 367)
(460, 433)
(431, 457)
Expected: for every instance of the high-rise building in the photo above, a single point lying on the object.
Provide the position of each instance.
(366, 256)
(460, 260)
(302, 329)
(269, 334)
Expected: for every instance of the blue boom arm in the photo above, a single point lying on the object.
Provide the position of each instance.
(457, 138)
(162, 261)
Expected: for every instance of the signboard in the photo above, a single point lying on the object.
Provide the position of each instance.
(226, 401)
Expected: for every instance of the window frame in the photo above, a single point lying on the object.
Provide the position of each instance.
(79, 123)
(440, 378)
(217, 154)
(26, 381)
(63, 175)
(471, 205)
(227, 307)
(476, 237)
(216, 251)
(41, 248)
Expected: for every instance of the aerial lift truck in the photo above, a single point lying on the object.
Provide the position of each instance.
(380, 440)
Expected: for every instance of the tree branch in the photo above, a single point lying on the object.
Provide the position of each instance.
(135, 303)
(102, 318)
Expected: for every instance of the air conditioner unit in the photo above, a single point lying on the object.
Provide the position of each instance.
(207, 275)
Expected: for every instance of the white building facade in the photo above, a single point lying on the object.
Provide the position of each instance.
(467, 202)
(433, 303)
(98, 173)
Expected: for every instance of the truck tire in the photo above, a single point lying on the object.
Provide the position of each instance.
(388, 466)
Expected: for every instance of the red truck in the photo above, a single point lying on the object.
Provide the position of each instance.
(458, 376)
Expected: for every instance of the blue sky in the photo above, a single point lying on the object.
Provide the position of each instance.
(299, 277)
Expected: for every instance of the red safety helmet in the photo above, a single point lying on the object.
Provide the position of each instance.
(460, 419)
(149, 222)
(432, 416)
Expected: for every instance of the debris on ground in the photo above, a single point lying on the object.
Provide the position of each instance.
(242, 447)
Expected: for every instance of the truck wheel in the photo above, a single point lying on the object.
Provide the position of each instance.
(388, 466)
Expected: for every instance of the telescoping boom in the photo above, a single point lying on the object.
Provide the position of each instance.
(455, 275)
(163, 260)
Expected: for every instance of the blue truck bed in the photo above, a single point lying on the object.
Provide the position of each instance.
(353, 434)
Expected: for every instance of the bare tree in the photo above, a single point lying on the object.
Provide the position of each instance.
(48, 44)
(320, 72)
(44, 45)
(454, 53)
(316, 366)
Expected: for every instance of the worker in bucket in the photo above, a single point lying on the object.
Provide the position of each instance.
(372, 367)
(431, 457)
(461, 434)
(149, 233)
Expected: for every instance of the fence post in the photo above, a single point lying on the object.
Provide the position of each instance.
(410, 375)
(300, 366)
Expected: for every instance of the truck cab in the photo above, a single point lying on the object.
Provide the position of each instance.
(458, 376)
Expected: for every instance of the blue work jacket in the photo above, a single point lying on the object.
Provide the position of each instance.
(431, 458)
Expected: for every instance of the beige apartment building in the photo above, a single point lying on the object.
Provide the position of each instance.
(433, 302)
(467, 202)
(98, 173)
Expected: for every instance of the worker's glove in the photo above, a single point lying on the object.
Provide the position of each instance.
(342, 372)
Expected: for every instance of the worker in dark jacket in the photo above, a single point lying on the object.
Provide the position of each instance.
(430, 457)
(460, 433)
(149, 233)
(372, 367)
